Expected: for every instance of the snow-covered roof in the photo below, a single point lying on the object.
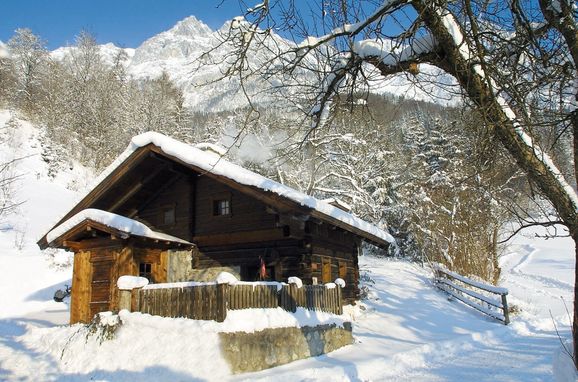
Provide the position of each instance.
(213, 164)
(336, 202)
(118, 222)
(219, 166)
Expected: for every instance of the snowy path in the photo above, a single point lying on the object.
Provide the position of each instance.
(411, 332)
(408, 332)
(539, 274)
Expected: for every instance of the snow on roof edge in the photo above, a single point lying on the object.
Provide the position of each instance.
(219, 166)
(112, 220)
(222, 167)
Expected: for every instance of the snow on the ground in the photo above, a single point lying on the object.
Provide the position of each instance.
(404, 331)
(182, 349)
(539, 273)
(29, 278)
(411, 332)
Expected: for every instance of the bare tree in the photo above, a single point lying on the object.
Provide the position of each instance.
(516, 66)
(8, 175)
(29, 55)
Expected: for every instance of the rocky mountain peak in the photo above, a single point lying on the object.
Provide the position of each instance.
(191, 26)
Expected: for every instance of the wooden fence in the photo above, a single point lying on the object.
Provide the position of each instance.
(211, 301)
(478, 295)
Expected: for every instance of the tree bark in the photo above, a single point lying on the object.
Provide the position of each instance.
(480, 92)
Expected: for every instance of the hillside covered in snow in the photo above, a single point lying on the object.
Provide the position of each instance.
(404, 329)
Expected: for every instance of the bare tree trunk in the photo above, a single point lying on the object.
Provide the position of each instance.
(480, 92)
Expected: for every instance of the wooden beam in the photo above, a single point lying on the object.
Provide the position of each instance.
(239, 237)
(74, 245)
(100, 242)
(130, 193)
(138, 186)
(161, 189)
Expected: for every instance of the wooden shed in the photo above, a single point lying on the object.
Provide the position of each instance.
(197, 215)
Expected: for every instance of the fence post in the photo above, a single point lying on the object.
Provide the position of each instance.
(292, 297)
(124, 299)
(339, 301)
(506, 311)
(221, 302)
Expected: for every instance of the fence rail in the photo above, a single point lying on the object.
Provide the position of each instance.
(474, 293)
(212, 301)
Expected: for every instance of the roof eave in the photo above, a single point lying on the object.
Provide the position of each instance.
(375, 240)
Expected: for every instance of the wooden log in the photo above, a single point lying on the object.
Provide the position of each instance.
(293, 291)
(187, 302)
(124, 300)
(212, 313)
(230, 298)
(171, 302)
(143, 300)
(196, 306)
(135, 300)
(221, 306)
(245, 303)
(281, 298)
(339, 300)
(210, 297)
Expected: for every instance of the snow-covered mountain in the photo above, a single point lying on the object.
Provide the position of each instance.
(186, 40)
(177, 52)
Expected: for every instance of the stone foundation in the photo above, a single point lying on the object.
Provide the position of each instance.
(273, 347)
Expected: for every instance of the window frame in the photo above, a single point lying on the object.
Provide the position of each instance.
(144, 273)
(168, 208)
(216, 207)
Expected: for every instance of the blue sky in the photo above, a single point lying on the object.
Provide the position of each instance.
(126, 23)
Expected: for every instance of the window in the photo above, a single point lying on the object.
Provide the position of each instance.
(145, 270)
(169, 216)
(222, 207)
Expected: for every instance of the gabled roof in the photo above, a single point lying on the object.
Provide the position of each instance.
(110, 223)
(243, 179)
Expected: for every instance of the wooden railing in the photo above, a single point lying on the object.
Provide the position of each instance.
(211, 301)
(478, 295)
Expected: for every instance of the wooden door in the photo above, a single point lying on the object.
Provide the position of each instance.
(101, 283)
(80, 295)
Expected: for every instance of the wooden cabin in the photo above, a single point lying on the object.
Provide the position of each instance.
(196, 215)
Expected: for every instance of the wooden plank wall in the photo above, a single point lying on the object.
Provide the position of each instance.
(177, 196)
(339, 265)
(335, 251)
(247, 213)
